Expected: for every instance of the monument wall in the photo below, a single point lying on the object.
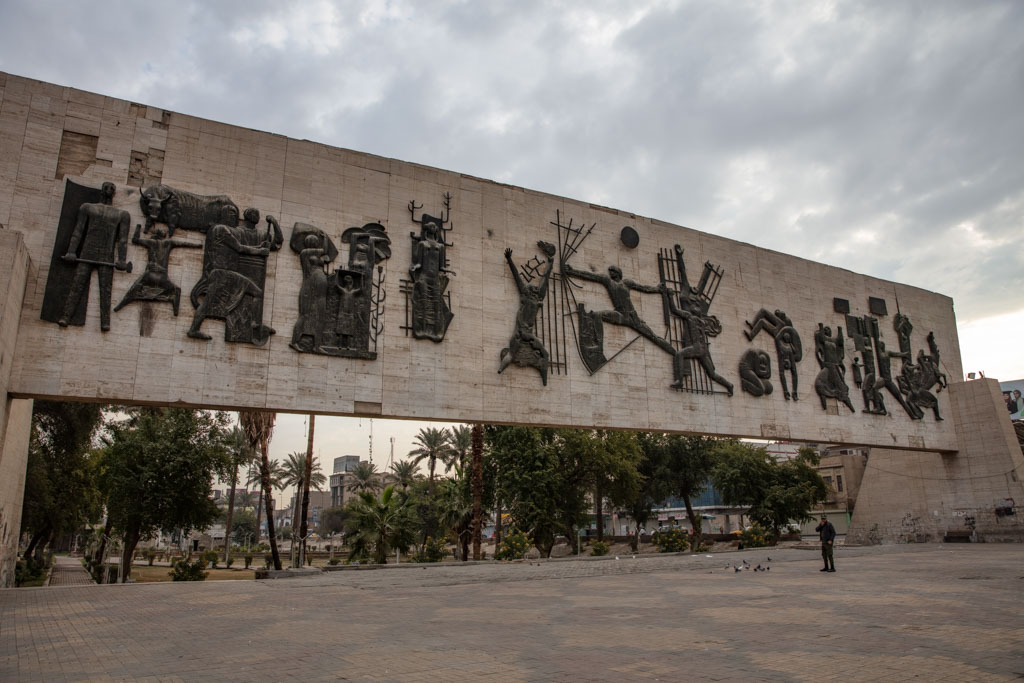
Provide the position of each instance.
(387, 288)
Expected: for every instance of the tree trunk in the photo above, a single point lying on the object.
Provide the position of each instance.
(293, 553)
(478, 486)
(305, 494)
(129, 542)
(231, 512)
(599, 509)
(497, 521)
(268, 501)
(694, 523)
(39, 535)
(259, 510)
(98, 558)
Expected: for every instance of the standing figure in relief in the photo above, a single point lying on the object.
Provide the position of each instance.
(526, 348)
(697, 326)
(100, 230)
(429, 275)
(306, 335)
(154, 284)
(831, 381)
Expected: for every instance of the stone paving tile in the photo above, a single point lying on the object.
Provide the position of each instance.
(68, 571)
(925, 612)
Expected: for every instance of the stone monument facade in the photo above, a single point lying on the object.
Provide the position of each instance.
(508, 306)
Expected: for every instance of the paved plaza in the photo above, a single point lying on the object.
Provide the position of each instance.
(913, 612)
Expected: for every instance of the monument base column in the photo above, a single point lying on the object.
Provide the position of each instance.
(15, 414)
(973, 494)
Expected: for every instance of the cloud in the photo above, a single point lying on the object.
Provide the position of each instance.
(881, 137)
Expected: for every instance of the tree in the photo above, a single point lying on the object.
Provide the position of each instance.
(455, 510)
(612, 469)
(477, 440)
(433, 444)
(777, 492)
(259, 427)
(332, 521)
(159, 471)
(378, 526)
(241, 454)
(61, 490)
(243, 530)
(691, 460)
(532, 483)
(364, 477)
(654, 482)
(256, 479)
(404, 472)
(294, 473)
(307, 481)
(461, 441)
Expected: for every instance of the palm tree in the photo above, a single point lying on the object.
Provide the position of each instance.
(364, 478)
(294, 474)
(404, 472)
(461, 441)
(455, 511)
(377, 526)
(245, 500)
(256, 479)
(433, 444)
(259, 427)
(241, 454)
(477, 439)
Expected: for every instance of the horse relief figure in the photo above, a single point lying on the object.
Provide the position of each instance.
(831, 381)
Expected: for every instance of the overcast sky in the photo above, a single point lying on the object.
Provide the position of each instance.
(883, 137)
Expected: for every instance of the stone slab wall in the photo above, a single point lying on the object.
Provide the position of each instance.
(15, 414)
(51, 133)
(920, 497)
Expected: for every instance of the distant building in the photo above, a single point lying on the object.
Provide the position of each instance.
(340, 477)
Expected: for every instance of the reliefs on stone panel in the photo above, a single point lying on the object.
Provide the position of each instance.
(185, 210)
(428, 301)
(755, 371)
(526, 348)
(92, 236)
(831, 381)
(234, 274)
(789, 349)
(339, 313)
(917, 379)
(154, 284)
(690, 326)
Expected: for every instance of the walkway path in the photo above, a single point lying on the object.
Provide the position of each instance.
(914, 612)
(68, 571)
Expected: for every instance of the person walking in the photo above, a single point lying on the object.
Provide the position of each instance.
(827, 534)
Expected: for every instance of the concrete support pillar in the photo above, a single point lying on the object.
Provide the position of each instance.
(15, 415)
(918, 497)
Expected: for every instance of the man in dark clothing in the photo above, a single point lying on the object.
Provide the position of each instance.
(827, 534)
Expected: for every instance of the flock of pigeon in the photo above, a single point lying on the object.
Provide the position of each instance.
(745, 566)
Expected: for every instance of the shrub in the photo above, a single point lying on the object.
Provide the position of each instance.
(211, 557)
(268, 560)
(598, 548)
(514, 546)
(150, 555)
(433, 551)
(183, 570)
(333, 561)
(248, 559)
(230, 561)
(755, 536)
(671, 540)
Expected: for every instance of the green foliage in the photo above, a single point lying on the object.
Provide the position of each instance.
(334, 561)
(755, 536)
(159, 470)
(332, 521)
(29, 572)
(243, 527)
(228, 562)
(61, 477)
(149, 554)
(183, 570)
(599, 548)
(210, 557)
(671, 540)
(268, 560)
(514, 546)
(379, 525)
(404, 473)
(285, 533)
(777, 492)
(248, 559)
(433, 550)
